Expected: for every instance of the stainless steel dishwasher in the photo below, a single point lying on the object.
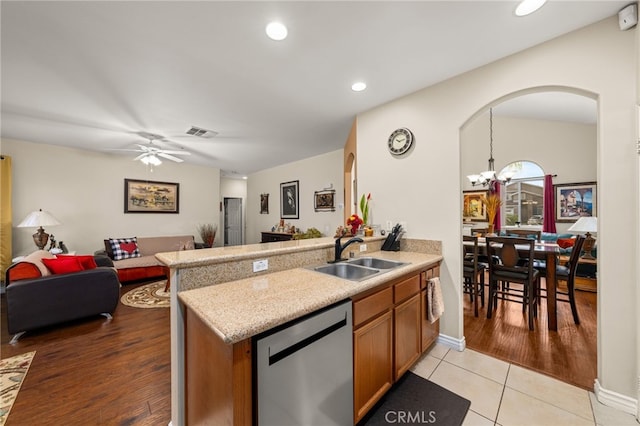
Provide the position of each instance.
(305, 371)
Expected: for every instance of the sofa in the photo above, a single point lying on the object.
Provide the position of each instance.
(68, 289)
(134, 257)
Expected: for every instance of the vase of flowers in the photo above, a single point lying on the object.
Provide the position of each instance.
(354, 222)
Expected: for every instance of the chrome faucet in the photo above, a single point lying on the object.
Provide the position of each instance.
(340, 248)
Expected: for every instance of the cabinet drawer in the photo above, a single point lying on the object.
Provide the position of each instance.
(406, 288)
(371, 306)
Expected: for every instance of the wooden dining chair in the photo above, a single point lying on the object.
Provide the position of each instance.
(565, 273)
(515, 266)
(473, 271)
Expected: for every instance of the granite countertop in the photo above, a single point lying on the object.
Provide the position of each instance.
(240, 309)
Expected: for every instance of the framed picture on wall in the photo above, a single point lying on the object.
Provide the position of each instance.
(146, 196)
(324, 201)
(264, 203)
(575, 200)
(289, 196)
(474, 206)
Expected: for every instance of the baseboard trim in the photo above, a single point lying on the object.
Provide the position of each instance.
(615, 399)
(452, 342)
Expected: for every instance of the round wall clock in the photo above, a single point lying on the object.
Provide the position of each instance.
(400, 141)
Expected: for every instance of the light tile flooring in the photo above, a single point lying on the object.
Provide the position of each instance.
(505, 394)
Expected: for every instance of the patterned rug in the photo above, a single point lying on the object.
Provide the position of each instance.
(147, 296)
(12, 373)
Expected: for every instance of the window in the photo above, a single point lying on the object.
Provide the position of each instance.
(524, 194)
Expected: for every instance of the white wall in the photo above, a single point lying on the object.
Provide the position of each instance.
(84, 190)
(314, 174)
(565, 149)
(424, 188)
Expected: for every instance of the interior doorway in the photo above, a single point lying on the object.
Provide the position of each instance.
(233, 221)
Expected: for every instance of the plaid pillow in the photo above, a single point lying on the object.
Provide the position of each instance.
(124, 248)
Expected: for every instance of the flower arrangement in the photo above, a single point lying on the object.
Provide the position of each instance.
(364, 207)
(208, 233)
(354, 222)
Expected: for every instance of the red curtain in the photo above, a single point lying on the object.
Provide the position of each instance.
(497, 221)
(548, 221)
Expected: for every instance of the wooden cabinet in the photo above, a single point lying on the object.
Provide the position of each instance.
(390, 333)
(407, 341)
(269, 237)
(372, 349)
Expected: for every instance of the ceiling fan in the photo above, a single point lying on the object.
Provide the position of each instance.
(150, 154)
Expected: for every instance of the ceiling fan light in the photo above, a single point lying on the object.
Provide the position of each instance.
(151, 159)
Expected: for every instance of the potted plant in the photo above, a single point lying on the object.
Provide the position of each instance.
(208, 234)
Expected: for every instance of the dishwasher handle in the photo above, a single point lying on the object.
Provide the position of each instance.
(290, 350)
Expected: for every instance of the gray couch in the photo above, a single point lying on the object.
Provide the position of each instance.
(48, 300)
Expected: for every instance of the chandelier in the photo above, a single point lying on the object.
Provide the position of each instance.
(489, 177)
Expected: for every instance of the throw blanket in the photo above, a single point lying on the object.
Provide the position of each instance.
(435, 305)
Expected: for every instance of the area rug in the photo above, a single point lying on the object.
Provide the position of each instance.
(12, 373)
(414, 400)
(147, 296)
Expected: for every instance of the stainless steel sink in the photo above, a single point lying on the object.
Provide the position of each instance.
(374, 262)
(347, 271)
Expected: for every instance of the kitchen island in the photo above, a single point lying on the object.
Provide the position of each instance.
(212, 325)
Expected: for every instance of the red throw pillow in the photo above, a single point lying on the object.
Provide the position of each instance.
(87, 261)
(566, 242)
(63, 265)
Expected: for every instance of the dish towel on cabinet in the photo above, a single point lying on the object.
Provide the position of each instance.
(435, 305)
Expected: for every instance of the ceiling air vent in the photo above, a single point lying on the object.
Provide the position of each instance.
(200, 132)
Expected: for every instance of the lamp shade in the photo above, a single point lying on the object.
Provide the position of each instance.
(585, 224)
(38, 218)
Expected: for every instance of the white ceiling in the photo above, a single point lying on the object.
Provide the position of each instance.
(95, 75)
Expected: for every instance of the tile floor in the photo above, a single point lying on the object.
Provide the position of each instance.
(505, 394)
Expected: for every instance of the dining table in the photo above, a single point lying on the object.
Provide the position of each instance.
(549, 253)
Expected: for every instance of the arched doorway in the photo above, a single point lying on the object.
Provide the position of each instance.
(555, 128)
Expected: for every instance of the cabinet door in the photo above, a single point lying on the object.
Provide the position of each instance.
(408, 339)
(372, 363)
(429, 331)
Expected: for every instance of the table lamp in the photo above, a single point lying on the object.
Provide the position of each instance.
(586, 225)
(40, 219)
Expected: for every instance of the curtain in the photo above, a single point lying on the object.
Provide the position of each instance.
(497, 220)
(5, 214)
(548, 204)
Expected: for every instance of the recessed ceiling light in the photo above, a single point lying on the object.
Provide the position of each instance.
(527, 7)
(359, 86)
(276, 31)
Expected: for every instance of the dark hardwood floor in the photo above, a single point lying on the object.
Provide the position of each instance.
(569, 354)
(100, 372)
(95, 371)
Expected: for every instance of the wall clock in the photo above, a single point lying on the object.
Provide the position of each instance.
(400, 141)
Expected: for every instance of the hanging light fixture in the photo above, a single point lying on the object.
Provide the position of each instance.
(488, 177)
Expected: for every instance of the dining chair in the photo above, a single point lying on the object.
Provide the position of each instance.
(473, 271)
(515, 266)
(566, 273)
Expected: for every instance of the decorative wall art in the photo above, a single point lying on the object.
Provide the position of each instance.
(474, 207)
(264, 203)
(575, 200)
(145, 196)
(324, 201)
(289, 194)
